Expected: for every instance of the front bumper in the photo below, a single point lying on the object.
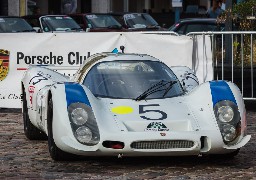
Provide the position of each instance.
(209, 142)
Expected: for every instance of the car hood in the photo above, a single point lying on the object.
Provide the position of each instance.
(169, 114)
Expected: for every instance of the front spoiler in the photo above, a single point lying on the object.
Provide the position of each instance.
(216, 145)
(244, 141)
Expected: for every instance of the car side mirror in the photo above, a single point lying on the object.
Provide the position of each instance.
(37, 29)
(186, 76)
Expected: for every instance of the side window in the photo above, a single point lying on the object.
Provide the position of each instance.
(193, 28)
(182, 29)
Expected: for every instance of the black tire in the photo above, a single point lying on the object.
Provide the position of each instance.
(232, 154)
(31, 132)
(56, 153)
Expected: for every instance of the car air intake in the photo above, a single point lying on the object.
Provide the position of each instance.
(173, 144)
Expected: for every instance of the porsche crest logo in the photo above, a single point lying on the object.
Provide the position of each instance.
(4, 63)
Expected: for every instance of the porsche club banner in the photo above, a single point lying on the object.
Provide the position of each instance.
(65, 52)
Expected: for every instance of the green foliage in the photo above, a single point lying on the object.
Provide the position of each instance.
(241, 11)
(239, 14)
(242, 48)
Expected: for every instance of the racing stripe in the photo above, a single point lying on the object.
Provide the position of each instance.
(221, 91)
(75, 93)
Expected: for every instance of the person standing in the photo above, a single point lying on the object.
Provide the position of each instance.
(215, 10)
(68, 6)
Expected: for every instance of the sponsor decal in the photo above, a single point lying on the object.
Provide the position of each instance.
(122, 110)
(163, 134)
(4, 63)
(156, 126)
(40, 76)
(31, 90)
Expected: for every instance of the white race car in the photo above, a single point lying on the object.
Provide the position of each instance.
(121, 104)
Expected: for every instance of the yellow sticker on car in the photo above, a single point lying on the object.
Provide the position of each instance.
(122, 110)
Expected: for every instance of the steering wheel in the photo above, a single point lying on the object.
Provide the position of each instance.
(111, 81)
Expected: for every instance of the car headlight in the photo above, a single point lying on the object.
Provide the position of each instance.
(83, 134)
(79, 116)
(83, 124)
(229, 132)
(225, 114)
(229, 121)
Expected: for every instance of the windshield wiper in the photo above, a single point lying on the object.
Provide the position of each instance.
(27, 30)
(152, 26)
(156, 88)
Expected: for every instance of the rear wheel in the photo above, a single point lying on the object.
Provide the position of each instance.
(31, 132)
(56, 153)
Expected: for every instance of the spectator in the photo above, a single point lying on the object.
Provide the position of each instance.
(223, 5)
(215, 10)
(36, 11)
(68, 6)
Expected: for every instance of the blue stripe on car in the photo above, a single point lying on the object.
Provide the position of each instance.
(75, 93)
(221, 91)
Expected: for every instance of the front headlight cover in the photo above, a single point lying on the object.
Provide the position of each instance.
(228, 118)
(83, 124)
(229, 132)
(83, 134)
(225, 114)
(79, 116)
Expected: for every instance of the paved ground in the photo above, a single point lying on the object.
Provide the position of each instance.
(24, 159)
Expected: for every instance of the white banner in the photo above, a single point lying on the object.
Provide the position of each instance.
(67, 51)
(202, 58)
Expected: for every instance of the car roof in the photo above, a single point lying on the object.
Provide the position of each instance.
(41, 15)
(11, 17)
(109, 56)
(123, 13)
(82, 14)
(198, 20)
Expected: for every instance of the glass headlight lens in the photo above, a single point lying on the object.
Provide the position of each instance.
(83, 134)
(79, 116)
(229, 132)
(225, 113)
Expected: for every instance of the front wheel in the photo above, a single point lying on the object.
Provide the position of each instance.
(56, 153)
(31, 132)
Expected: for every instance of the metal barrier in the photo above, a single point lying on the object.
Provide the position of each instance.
(235, 62)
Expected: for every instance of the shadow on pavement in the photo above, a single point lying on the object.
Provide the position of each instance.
(250, 105)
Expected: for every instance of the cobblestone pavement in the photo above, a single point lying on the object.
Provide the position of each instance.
(24, 159)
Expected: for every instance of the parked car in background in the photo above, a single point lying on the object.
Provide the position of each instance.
(13, 24)
(96, 22)
(53, 23)
(185, 26)
(137, 21)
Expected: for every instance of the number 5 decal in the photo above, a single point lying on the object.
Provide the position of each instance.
(142, 111)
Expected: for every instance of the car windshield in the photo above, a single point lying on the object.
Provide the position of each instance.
(10, 25)
(140, 21)
(59, 23)
(131, 79)
(102, 21)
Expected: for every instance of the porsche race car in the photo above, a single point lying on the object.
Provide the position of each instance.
(120, 104)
